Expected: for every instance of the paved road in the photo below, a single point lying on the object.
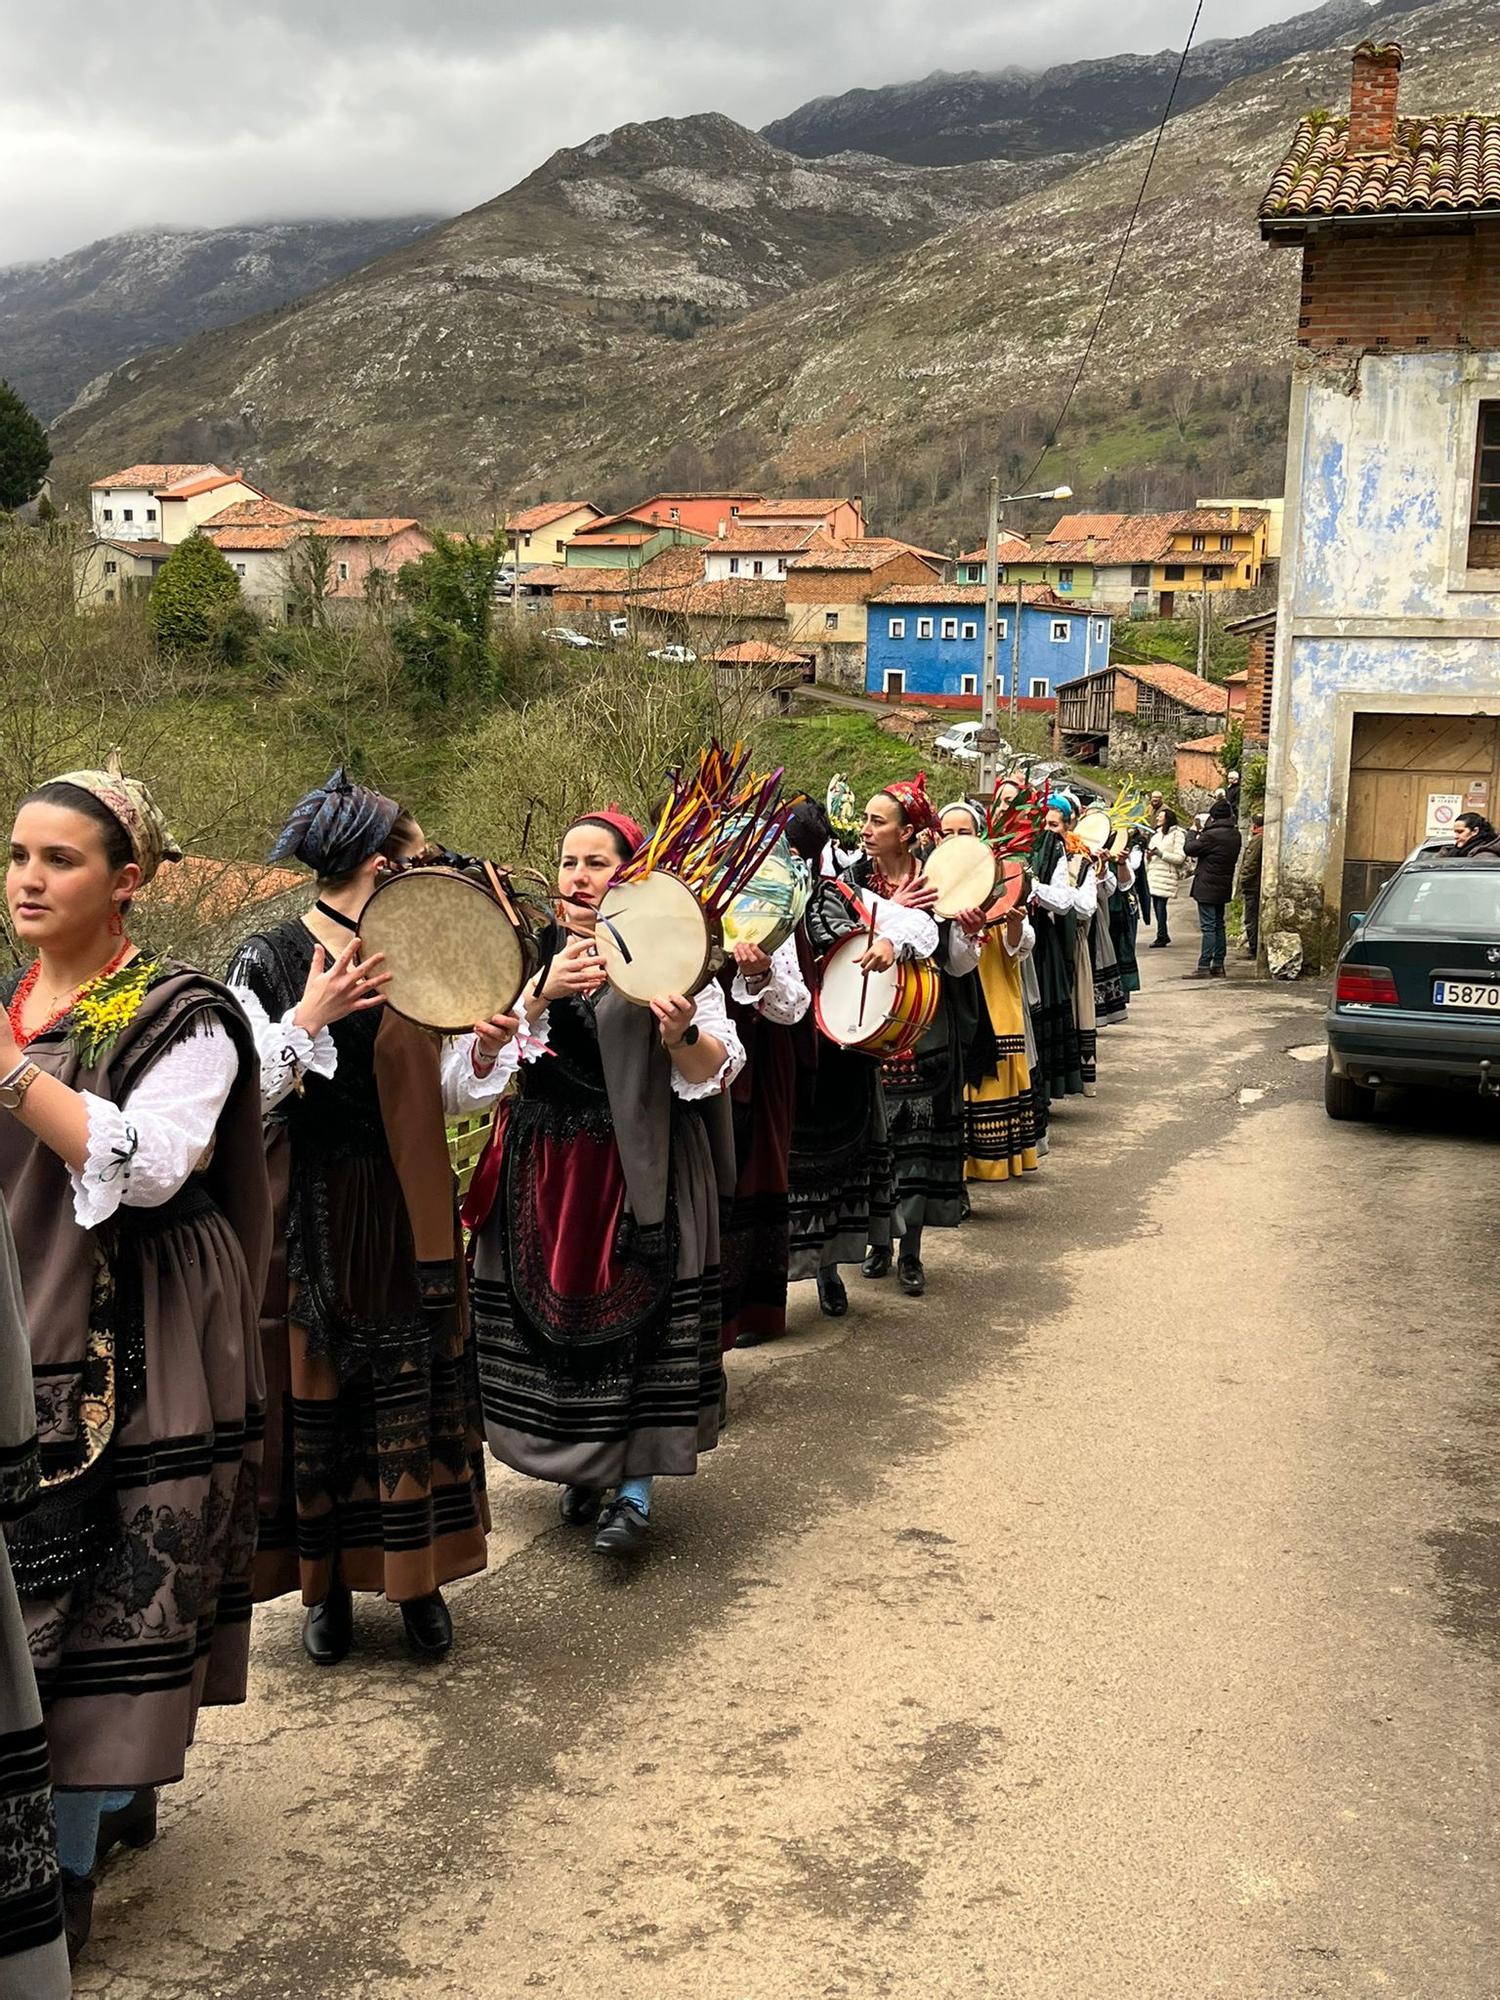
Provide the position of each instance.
(1122, 1621)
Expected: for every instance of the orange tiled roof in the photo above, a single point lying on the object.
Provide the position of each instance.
(1204, 743)
(1078, 527)
(1144, 538)
(794, 509)
(152, 476)
(614, 540)
(136, 547)
(762, 541)
(189, 489)
(873, 553)
(759, 653)
(531, 518)
(973, 593)
(585, 581)
(262, 513)
(1011, 546)
(733, 597)
(281, 534)
(670, 568)
(217, 888)
(1180, 684)
(353, 528)
(1436, 166)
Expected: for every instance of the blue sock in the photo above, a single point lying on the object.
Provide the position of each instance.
(637, 1491)
(78, 1815)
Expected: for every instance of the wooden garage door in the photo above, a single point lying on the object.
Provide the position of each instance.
(1396, 763)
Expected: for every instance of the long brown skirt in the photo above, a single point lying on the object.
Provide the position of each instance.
(125, 1657)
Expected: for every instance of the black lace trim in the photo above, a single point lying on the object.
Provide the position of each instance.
(351, 1341)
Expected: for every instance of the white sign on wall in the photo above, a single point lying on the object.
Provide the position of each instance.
(1443, 808)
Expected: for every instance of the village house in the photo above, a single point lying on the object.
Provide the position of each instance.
(710, 617)
(705, 514)
(1132, 717)
(757, 551)
(1259, 632)
(839, 520)
(541, 534)
(1386, 717)
(973, 567)
(1146, 563)
(927, 640)
(615, 541)
(261, 541)
(593, 591)
(162, 503)
(828, 590)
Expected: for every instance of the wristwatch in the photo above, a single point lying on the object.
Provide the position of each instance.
(13, 1088)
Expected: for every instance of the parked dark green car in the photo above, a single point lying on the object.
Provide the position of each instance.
(1417, 988)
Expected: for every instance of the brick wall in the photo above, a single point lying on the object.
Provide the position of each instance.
(806, 585)
(1258, 688)
(1390, 287)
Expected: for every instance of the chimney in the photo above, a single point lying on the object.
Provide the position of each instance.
(1372, 98)
(1234, 518)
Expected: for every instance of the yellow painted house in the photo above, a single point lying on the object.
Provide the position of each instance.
(540, 534)
(1142, 562)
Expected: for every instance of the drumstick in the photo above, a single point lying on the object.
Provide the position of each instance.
(864, 984)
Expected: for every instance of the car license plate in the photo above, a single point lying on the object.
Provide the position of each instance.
(1481, 993)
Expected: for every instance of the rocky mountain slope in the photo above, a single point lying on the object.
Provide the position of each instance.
(1018, 114)
(536, 344)
(434, 375)
(64, 321)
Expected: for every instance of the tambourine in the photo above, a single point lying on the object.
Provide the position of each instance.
(1012, 889)
(655, 937)
(1096, 830)
(457, 947)
(771, 904)
(964, 871)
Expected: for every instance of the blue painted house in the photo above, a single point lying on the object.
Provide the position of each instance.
(927, 641)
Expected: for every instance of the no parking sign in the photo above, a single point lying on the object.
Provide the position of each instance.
(1443, 808)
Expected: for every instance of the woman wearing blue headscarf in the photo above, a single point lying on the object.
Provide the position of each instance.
(374, 1477)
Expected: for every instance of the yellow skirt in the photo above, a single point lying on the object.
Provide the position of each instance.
(1000, 1116)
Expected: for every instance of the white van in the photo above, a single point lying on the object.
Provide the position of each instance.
(960, 741)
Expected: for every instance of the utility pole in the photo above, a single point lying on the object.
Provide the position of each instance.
(989, 734)
(1015, 657)
(1203, 632)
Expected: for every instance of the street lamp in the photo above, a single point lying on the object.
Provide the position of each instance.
(989, 732)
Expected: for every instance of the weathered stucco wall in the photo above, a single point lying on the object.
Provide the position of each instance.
(1375, 597)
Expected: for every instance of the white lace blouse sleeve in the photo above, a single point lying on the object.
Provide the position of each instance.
(711, 1014)
(142, 1151)
(1086, 894)
(1025, 944)
(914, 933)
(464, 1089)
(1057, 894)
(963, 951)
(784, 998)
(287, 1053)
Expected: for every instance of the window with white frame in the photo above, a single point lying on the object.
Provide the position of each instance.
(1065, 578)
(1062, 631)
(830, 621)
(968, 684)
(1101, 631)
(971, 630)
(1002, 628)
(110, 568)
(109, 513)
(757, 567)
(150, 513)
(950, 628)
(734, 565)
(898, 628)
(1039, 689)
(1200, 542)
(1226, 541)
(128, 515)
(343, 572)
(924, 628)
(239, 569)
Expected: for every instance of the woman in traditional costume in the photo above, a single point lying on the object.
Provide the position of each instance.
(1000, 1120)
(1056, 906)
(1124, 914)
(374, 1450)
(595, 1219)
(33, 1952)
(841, 1176)
(131, 1164)
(1074, 894)
(924, 1088)
(768, 1002)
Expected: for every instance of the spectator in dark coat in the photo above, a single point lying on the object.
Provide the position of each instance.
(1473, 834)
(1215, 847)
(1250, 883)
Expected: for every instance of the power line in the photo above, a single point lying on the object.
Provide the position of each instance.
(1120, 258)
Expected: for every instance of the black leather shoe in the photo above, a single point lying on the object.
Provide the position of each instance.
(623, 1531)
(1217, 972)
(580, 1505)
(832, 1296)
(328, 1628)
(133, 1825)
(78, 1911)
(877, 1264)
(429, 1628)
(911, 1277)
(1198, 972)
(1158, 944)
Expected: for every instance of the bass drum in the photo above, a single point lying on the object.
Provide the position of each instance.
(655, 937)
(880, 1013)
(454, 953)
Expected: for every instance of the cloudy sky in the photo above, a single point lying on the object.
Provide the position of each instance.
(203, 112)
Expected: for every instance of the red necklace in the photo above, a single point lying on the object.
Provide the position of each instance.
(882, 884)
(17, 1008)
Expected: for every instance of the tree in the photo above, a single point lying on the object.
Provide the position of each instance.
(24, 451)
(310, 577)
(192, 596)
(444, 639)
